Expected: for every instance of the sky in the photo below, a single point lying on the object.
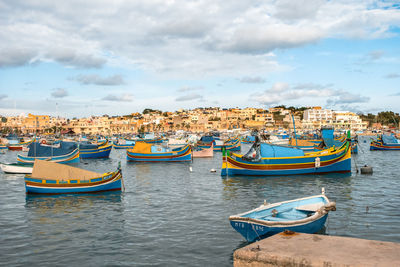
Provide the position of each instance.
(95, 57)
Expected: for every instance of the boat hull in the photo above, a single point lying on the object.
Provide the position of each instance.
(185, 154)
(16, 168)
(72, 157)
(116, 146)
(101, 152)
(380, 146)
(102, 184)
(252, 231)
(339, 162)
(15, 148)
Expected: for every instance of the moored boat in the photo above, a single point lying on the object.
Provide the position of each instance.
(232, 145)
(304, 215)
(93, 151)
(63, 152)
(123, 144)
(54, 178)
(16, 168)
(143, 151)
(264, 160)
(385, 142)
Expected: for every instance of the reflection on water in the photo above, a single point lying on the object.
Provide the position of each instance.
(69, 202)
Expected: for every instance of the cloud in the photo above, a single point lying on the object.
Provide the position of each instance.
(14, 57)
(189, 88)
(252, 80)
(295, 10)
(97, 80)
(375, 55)
(282, 92)
(392, 76)
(3, 96)
(119, 98)
(182, 38)
(348, 98)
(188, 97)
(59, 93)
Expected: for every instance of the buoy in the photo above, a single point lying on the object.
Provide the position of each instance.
(190, 169)
(366, 169)
(213, 170)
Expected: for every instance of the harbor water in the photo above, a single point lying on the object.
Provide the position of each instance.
(169, 215)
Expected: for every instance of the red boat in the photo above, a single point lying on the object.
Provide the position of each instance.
(15, 147)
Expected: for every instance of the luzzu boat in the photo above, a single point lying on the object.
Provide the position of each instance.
(303, 215)
(93, 151)
(231, 145)
(123, 144)
(150, 153)
(265, 159)
(385, 142)
(63, 152)
(53, 178)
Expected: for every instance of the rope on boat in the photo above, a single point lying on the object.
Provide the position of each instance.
(355, 164)
(252, 226)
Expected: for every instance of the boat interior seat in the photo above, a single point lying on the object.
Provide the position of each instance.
(310, 207)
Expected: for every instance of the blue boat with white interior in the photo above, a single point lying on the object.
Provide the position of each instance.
(303, 215)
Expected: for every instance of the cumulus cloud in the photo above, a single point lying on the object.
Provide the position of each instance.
(180, 37)
(282, 92)
(295, 10)
(119, 98)
(188, 97)
(59, 93)
(252, 80)
(97, 80)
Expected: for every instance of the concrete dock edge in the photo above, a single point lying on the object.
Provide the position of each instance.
(317, 250)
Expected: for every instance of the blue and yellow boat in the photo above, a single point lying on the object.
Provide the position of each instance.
(93, 151)
(124, 144)
(385, 142)
(265, 160)
(303, 215)
(143, 151)
(54, 178)
(63, 152)
(231, 145)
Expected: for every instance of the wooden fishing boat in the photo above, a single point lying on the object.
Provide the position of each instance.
(19, 146)
(94, 151)
(265, 159)
(231, 145)
(303, 215)
(3, 147)
(63, 152)
(385, 142)
(54, 178)
(204, 153)
(123, 144)
(16, 168)
(147, 152)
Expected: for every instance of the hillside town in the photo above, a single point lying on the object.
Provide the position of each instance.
(196, 120)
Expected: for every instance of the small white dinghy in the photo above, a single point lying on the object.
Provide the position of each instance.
(16, 168)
